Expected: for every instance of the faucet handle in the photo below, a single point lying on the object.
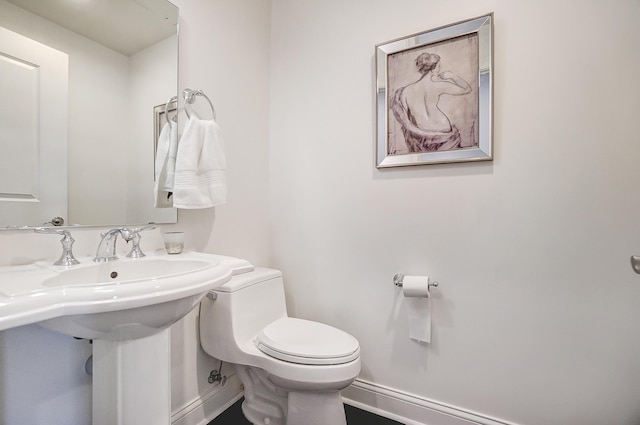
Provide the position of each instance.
(66, 259)
(51, 230)
(136, 252)
(143, 228)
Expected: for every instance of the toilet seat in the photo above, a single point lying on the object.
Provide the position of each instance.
(305, 342)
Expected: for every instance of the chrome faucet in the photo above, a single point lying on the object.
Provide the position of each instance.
(66, 259)
(107, 247)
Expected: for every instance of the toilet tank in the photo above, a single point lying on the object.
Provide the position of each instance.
(242, 308)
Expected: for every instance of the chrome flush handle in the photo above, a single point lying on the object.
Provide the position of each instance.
(635, 263)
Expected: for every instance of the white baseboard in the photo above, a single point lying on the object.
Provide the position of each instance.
(410, 409)
(204, 409)
(399, 406)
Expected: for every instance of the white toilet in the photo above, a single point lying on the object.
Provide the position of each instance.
(292, 369)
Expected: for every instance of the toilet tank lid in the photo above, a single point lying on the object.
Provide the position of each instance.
(235, 264)
(243, 280)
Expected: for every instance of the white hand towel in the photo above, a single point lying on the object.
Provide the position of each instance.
(165, 165)
(200, 175)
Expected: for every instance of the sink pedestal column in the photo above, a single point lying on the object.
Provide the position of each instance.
(132, 381)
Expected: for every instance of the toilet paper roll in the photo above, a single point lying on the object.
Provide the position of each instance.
(416, 291)
(415, 286)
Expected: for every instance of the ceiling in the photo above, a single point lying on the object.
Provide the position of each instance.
(126, 26)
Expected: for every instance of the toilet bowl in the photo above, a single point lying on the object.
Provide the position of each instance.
(292, 369)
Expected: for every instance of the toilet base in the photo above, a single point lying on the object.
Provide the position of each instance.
(264, 403)
(267, 404)
(306, 408)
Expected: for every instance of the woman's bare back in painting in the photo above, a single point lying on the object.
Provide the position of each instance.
(425, 126)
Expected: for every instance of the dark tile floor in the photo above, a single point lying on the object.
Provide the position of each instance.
(233, 416)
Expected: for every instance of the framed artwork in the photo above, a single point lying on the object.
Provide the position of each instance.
(434, 96)
(161, 114)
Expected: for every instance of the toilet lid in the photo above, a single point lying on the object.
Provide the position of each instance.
(306, 342)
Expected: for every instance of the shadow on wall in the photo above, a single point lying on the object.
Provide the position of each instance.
(32, 391)
(196, 238)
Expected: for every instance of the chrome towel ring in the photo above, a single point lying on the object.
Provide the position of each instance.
(171, 100)
(190, 98)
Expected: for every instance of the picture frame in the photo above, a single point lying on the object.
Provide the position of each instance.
(160, 114)
(434, 96)
(159, 119)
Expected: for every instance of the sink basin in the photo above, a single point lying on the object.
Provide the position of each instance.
(124, 272)
(119, 300)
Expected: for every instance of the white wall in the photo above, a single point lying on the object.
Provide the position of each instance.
(224, 51)
(536, 317)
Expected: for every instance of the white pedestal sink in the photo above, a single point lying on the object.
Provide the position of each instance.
(125, 307)
(132, 381)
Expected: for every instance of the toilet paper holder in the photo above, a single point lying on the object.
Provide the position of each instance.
(399, 277)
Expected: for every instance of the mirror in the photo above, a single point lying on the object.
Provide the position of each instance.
(86, 79)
